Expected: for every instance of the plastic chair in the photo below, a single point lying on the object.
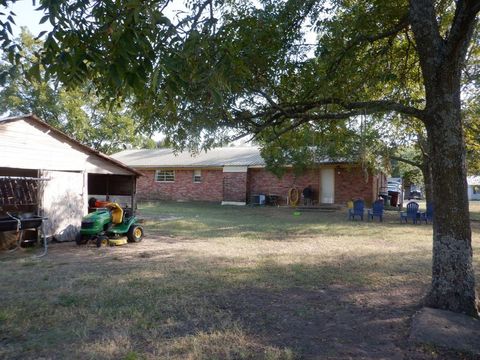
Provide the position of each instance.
(427, 215)
(411, 213)
(358, 206)
(377, 210)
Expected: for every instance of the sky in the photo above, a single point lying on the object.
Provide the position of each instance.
(28, 17)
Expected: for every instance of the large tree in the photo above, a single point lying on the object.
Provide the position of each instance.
(441, 59)
(227, 64)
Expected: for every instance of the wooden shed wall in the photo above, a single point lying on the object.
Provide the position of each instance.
(64, 203)
(25, 144)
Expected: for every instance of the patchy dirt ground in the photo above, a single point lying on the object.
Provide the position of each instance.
(190, 291)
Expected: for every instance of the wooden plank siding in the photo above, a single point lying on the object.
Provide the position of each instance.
(64, 203)
(25, 144)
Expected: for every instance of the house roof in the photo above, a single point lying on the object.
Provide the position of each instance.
(217, 157)
(473, 180)
(87, 149)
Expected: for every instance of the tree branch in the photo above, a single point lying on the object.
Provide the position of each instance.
(422, 17)
(272, 103)
(369, 107)
(288, 116)
(406, 161)
(461, 30)
(196, 18)
(372, 107)
(304, 118)
(402, 24)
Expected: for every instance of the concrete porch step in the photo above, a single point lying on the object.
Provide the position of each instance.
(320, 207)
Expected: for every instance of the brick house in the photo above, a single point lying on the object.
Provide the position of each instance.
(234, 175)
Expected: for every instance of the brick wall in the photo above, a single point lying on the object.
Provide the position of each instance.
(261, 181)
(235, 186)
(210, 189)
(217, 186)
(351, 183)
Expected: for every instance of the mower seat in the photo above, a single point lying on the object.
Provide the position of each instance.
(117, 213)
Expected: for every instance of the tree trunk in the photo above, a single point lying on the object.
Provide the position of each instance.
(427, 178)
(441, 60)
(453, 283)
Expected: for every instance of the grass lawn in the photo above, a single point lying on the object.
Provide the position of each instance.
(213, 282)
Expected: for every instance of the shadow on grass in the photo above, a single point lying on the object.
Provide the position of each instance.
(189, 307)
(176, 303)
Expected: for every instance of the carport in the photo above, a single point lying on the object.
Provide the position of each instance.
(70, 174)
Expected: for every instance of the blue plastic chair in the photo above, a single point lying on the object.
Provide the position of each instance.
(358, 206)
(428, 215)
(411, 213)
(377, 210)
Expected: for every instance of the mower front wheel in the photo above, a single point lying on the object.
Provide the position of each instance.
(135, 233)
(80, 240)
(101, 240)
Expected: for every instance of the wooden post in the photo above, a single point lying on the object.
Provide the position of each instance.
(133, 192)
(107, 190)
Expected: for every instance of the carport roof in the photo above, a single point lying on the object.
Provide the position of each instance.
(85, 148)
(217, 157)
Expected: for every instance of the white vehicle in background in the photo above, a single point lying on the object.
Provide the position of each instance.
(395, 191)
(415, 193)
(394, 186)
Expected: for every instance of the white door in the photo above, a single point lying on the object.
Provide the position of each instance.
(327, 185)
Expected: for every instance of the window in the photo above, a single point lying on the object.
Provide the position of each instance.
(197, 176)
(165, 175)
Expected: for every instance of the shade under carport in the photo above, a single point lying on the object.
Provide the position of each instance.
(109, 184)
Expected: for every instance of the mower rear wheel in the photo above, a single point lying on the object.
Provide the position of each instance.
(135, 233)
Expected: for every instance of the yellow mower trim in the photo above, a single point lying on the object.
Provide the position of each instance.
(118, 242)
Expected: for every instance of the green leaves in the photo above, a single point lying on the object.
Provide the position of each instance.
(78, 112)
(33, 74)
(44, 19)
(241, 66)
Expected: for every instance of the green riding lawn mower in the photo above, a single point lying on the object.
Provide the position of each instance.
(109, 224)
